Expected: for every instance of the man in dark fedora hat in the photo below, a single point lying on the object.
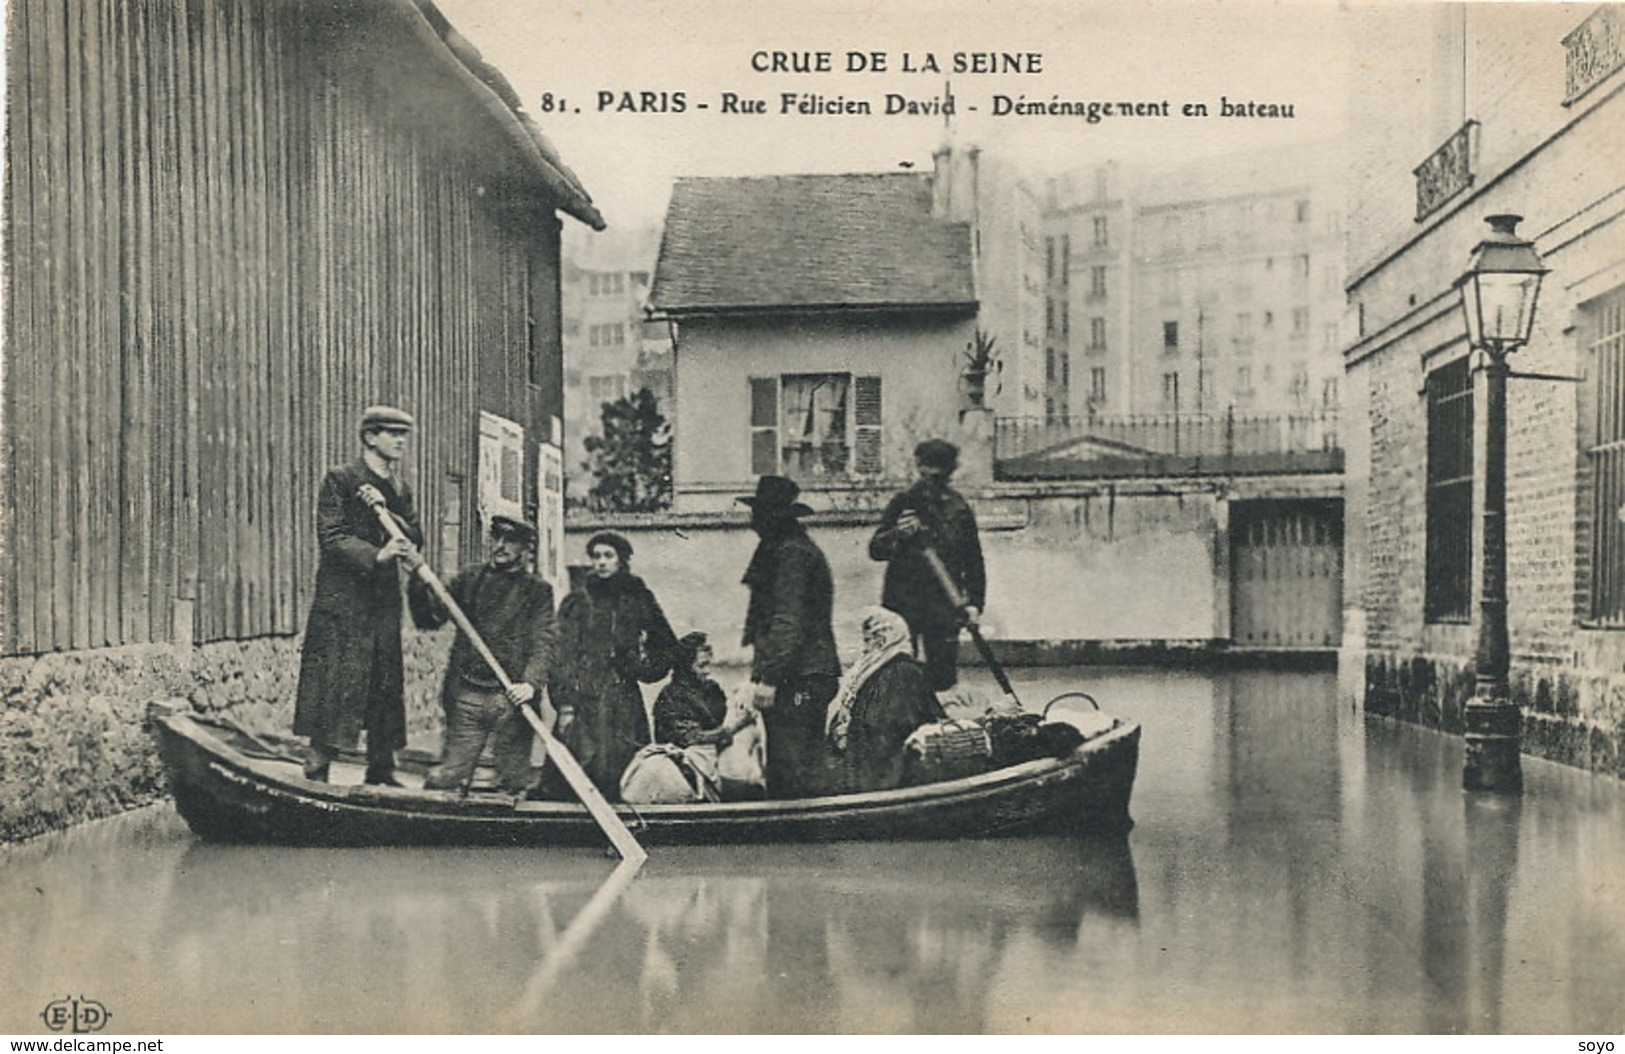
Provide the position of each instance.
(789, 626)
(350, 672)
(511, 608)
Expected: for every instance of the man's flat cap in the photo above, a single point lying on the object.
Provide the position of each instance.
(513, 526)
(386, 417)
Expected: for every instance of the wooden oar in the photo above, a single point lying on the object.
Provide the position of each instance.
(957, 596)
(589, 794)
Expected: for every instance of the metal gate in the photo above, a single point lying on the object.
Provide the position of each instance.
(1286, 574)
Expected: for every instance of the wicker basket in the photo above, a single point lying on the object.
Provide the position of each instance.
(947, 750)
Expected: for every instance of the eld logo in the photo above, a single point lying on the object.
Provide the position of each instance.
(75, 1015)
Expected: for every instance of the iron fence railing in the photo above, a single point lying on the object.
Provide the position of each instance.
(1229, 443)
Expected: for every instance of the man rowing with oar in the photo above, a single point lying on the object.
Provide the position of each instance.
(931, 517)
(350, 673)
(512, 609)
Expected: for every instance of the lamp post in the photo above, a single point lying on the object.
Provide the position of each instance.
(1498, 293)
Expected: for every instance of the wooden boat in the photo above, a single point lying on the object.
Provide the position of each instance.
(230, 785)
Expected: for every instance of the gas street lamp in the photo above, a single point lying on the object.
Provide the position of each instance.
(1498, 294)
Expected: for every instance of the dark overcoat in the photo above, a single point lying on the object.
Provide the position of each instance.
(911, 588)
(350, 674)
(612, 635)
(792, 598)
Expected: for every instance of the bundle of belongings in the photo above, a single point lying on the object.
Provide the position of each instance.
(958, 747)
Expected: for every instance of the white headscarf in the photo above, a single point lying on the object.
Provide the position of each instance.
(885, 636)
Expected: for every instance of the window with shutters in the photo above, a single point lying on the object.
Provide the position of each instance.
(1605, 458)
(764, 426)
(815, 426)
(866, 426)
(1448, 588)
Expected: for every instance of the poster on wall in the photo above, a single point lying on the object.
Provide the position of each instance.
(550, 515)
(502, 459)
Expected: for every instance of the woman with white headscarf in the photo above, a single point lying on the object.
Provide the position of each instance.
(882, 698)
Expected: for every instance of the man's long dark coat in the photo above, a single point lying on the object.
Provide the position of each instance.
(792, 597)
(350, 674)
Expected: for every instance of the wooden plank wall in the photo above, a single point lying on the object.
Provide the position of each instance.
(223, 246)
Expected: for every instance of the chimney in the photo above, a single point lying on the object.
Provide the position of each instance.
(953, 186)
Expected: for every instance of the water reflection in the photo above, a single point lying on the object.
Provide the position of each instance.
(1293, 869)
(873, 937)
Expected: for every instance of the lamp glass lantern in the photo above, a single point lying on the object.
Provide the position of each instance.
(1500, 287)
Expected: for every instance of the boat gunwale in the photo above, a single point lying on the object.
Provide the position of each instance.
(451, 805)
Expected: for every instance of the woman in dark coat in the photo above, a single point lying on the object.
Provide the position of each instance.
(612, 634)
(693, 709)
(882, 699)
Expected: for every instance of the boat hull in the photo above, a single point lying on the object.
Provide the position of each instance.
(226, 795)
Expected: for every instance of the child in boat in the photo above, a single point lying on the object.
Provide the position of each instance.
(883, 697)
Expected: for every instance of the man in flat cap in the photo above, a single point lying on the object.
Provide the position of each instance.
(931, 514)
(511, 608)
(789, 625)
(350, 674)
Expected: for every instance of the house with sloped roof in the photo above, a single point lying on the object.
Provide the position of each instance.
(820, 324)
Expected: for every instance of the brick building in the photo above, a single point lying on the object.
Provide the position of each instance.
(1519, 111)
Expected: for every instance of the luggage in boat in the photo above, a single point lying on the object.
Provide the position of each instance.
(664, 774)
(947, 750)
(1021, 736)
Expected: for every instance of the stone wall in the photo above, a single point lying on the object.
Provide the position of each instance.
(1570, 715)
(73, 742)
(1101, 564)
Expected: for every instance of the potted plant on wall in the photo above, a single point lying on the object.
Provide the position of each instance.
(982, 363)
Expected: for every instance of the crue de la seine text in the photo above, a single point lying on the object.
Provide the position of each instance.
(963, 62)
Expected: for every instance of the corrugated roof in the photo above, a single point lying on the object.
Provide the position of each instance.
(809, 241)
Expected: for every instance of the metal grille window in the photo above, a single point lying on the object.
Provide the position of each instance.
(1605, 459)
(1449, 586)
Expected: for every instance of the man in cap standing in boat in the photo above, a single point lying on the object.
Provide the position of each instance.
(511, 608)
(932, 515)
(350, 674)
(795, 669)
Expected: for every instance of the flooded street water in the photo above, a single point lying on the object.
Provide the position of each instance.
(1292, 869)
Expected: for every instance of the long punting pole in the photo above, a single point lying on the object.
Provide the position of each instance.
(619, 835)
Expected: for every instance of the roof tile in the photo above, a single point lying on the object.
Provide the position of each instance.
(760, 242)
